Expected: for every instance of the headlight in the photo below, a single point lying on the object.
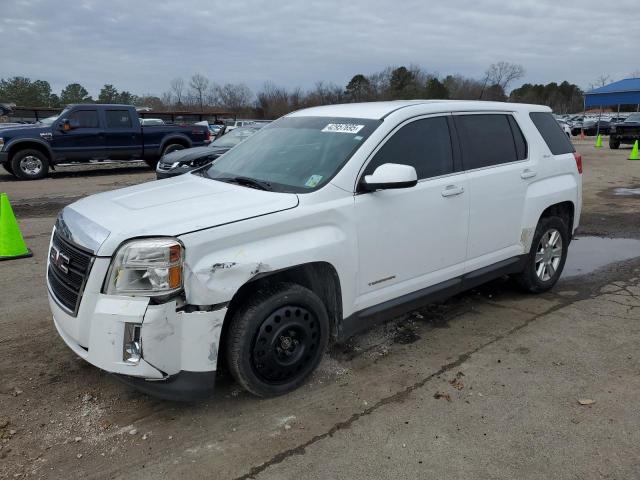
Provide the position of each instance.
(148, 267)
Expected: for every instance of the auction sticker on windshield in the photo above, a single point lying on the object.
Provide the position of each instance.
(313, 181)
(342, 128)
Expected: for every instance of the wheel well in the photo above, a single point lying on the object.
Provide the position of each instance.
(319, 277)
(564, 210)
(175, 141)
(29, 145)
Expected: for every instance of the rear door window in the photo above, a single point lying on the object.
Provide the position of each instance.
(423, 144)
(486, 140)
(118, 119)
(552, 133)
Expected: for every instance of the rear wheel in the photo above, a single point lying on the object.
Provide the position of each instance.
(276, 339)
(30, 165)
(172, 148)
(547, 257)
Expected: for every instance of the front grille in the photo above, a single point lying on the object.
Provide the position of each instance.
(68, 271)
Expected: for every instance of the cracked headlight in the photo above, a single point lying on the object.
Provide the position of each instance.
(147, 267)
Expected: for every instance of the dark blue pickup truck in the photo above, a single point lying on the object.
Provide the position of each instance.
(91, 132)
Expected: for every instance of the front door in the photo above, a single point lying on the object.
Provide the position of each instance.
(412, 238)
(85, 140)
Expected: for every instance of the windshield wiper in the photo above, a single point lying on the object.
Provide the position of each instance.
(248, 182)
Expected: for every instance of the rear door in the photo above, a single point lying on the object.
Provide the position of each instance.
(124, 136)
(495, 157)
(85, 140)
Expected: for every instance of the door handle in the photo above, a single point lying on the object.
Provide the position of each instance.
(527, 173)
(451, 190)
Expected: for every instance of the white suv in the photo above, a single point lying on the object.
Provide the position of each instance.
(321, 224)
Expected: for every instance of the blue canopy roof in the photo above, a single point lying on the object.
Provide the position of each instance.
(623, 92)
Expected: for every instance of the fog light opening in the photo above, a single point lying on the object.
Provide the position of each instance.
(132, 344)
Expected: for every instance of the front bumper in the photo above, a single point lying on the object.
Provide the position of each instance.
(175, 345)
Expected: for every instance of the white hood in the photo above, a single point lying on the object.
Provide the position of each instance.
(165, 208)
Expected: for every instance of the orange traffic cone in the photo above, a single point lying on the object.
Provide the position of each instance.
(11, 242)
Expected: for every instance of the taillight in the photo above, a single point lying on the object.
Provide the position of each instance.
(207, 135)
(578, 158)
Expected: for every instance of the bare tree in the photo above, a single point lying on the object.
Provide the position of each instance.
(503, 74)
(234, 97)
(635, 74)
(177, 89)
(601, 81)
(198, 86)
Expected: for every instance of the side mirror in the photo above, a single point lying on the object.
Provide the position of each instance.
(65, 125)
(390, 175)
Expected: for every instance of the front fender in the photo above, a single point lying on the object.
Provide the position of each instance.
(20, 143)
(219, 261)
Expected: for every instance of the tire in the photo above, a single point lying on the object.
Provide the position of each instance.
(614, 144)
(7, 167)
(276, 339)
(30, 164)
(536, 277)
(172, 147)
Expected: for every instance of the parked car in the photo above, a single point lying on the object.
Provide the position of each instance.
(145, 122)
(627, 132)
(233, 124)
(565, 127)
(591, 128)
(86, 132)
(183, 161)
(331, 219)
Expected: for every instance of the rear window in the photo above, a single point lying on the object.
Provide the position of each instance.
(487, 140)
(553, 135)
(118, 119)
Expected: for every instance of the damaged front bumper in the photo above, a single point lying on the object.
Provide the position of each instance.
(178, 350)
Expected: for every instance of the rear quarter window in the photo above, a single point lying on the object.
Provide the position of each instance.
(552, 133)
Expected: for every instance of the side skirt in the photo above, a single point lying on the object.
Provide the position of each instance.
(371, 316)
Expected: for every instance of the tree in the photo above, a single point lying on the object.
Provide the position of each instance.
(126, 98)
(436, 89)
(75, 93)
(177, 89)
(358, 88)
(503, 74)
(199, 84)
(108, 94)
(22, 91)
(234, 97)
(601, 81)
(403, 83)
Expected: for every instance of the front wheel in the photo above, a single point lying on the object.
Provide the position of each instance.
(614, 144)
(547, 257)
(276, 339)
(30, 165)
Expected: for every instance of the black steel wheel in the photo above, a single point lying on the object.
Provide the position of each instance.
(276, 339)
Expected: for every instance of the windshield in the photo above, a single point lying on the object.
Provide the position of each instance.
(234, 137)
(48, 121)
(633, 118)
(294, 154)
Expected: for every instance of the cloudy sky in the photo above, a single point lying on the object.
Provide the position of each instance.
(140, 45)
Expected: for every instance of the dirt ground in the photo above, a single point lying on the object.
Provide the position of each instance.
(491, 384)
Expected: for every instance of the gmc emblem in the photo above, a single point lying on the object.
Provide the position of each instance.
(58, 259)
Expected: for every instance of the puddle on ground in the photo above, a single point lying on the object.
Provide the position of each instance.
(626, 192)
(587, 254)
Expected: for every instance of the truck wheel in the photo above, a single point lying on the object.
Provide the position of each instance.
(172, 148)
(614, 143)
(30, 165)
(546, 259)
(276, 339)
